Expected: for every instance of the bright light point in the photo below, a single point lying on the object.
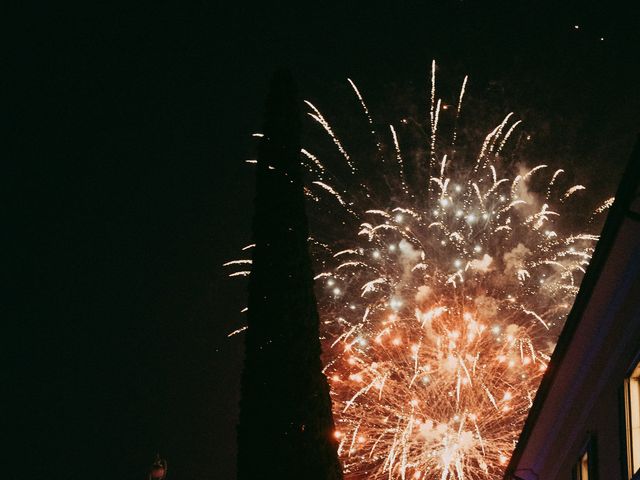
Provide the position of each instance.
(459, 213)
(360, 439)
(503, 459)
(398, 218)
(435, 213)
(362, 342)
(495, 329)
(457, 263)
(376, 254)
(336, 291)
(502, 198)
(395, 303)
(425, 379)
(396, 341)
(444, 202)
(485, 216)
(457, 188)
(576, 27)
(477, 248)
(392, 248)
(330, 282)
(443, 243)
(352, 307)
(471, 218)
(456, 418)
(337, 434)
(414, 403)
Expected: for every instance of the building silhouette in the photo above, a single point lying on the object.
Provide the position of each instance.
(585, 420)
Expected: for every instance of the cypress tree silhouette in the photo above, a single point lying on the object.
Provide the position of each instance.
(286, 425)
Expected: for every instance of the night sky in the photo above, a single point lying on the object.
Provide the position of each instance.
(125, 190)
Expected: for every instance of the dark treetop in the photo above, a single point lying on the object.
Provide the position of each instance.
(286, 426)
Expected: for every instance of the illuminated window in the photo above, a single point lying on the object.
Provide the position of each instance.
(585, 467)
(581, 471)
(632, 414)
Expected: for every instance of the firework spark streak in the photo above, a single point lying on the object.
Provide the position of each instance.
(440, 302)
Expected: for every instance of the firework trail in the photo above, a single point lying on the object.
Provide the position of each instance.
(441, 296)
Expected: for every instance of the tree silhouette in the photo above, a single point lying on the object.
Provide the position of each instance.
(286, 425)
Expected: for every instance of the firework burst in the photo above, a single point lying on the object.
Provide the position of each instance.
(443, 288)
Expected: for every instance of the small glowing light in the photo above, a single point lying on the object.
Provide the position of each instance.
(576, 27)
(459, 213)
(336, 291)
(503, 459)
(360, 439)
(396, 341)
(602, 39)
(485, 216)
(502, 198)
(336, 378)
(471, 218)
(398, 218)
(392, 248)
(376, 254)
(443, 243)
(477, 248)
(435, 213)
(495, 329)
(457, 188)
(352, 307)
(362, 342)
(457, 263)
(414, 403)
(330, 282)
(337, 434)
(395, 303)
(444, 202)
(456, 418)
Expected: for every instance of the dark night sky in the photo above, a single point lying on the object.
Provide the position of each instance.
(126, 191)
